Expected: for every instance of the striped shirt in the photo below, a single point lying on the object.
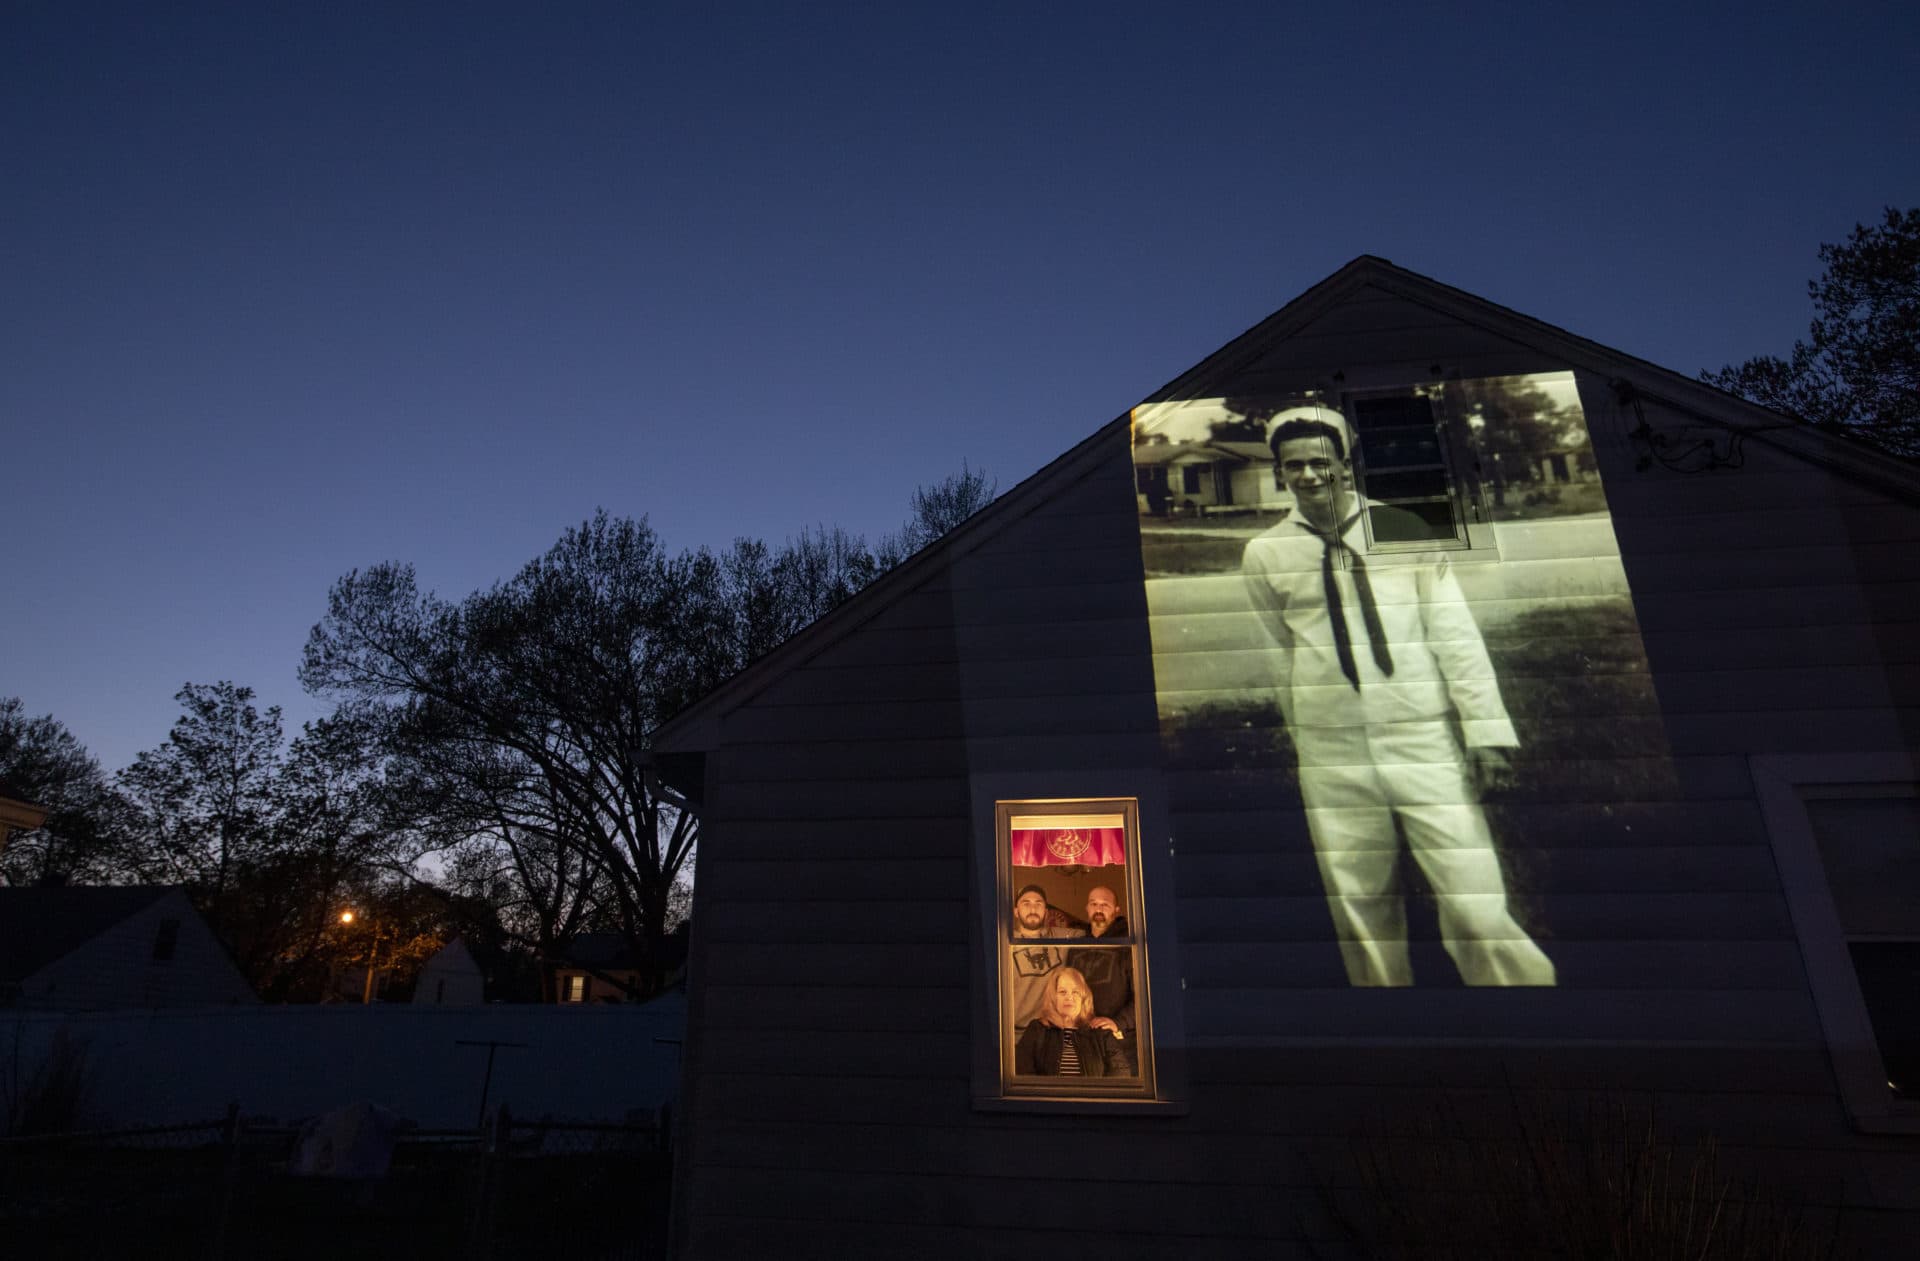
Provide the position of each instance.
(1069, 1055)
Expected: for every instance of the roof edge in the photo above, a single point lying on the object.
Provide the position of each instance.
(687, 731)
(677, 734)
(1706, 403)
(683, 732)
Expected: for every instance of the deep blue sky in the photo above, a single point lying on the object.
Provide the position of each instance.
(287, 289)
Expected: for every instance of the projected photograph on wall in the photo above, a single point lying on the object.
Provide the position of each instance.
(1401, 613)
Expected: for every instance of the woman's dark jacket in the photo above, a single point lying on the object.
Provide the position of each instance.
(1101, 1054)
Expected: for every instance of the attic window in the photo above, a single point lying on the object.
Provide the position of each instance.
(165, 939)
(1845, 829)
(1870, 847)
(1073, 1019)
(1401, 461)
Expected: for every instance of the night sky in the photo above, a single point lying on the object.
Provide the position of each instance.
(287, 289)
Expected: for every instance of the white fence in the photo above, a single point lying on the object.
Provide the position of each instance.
(428, 1064)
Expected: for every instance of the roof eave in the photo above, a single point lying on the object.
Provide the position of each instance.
(697, 727)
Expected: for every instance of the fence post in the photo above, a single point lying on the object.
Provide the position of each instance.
(493, 1144)
(229, 1167)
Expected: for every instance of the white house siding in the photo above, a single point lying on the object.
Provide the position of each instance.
(450, 978)
(835, 977)
(1253, 486)
(117, 969)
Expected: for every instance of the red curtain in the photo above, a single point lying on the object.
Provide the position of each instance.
(1067, 847)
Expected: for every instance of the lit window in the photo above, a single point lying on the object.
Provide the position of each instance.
(576, 991)
(1073, 985)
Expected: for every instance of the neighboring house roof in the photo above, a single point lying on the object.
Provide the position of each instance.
(40, 925)
(694, 728)
(17, 810)
(452, 957)
(1168, 452)
(601, 950)
(609, 952)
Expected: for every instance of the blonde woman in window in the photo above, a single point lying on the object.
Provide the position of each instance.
(1063, 1042)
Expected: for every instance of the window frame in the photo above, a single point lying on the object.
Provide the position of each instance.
(1784, 784)
(1472, 528)
(1143, 1087)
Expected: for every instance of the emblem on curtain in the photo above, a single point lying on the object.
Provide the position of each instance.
(1067, 845)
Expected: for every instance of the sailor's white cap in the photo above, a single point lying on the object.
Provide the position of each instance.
(1318, 413)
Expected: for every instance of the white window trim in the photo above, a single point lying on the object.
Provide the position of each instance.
(1783, 784)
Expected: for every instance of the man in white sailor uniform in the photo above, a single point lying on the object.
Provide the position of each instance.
(1394, 710)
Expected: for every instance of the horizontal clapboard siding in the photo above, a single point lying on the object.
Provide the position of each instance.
(1766, 610)
(1726, 964)
(1287, 869)
(837, 843)
(1589, 780)
(1690, 916)
(1252, 1109)
(1562, 824)
(1664, 1015)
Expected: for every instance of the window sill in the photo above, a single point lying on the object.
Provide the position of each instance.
(1081, 1107)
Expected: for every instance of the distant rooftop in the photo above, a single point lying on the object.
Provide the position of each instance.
(41, 924)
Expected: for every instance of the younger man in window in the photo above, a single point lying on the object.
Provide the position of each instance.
(1033, 965)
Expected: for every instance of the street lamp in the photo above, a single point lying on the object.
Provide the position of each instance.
(373, 957)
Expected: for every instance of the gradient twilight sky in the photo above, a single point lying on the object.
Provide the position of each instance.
(290, 288)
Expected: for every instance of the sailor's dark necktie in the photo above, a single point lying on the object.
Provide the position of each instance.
(1337, 614)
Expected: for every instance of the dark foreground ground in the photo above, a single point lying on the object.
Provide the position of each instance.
(217, 1191)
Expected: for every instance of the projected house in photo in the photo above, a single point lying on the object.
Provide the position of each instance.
(1415, 724)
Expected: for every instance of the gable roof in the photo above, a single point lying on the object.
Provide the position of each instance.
(692, 728)
(1704, 403)
(43, 924)
(611, 952)
(452, 957)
